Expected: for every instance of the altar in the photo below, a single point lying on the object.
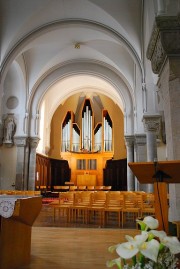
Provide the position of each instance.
(17, 215)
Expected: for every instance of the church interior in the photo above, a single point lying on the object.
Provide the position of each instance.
(89, 126)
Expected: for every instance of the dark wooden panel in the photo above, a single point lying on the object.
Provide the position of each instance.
(115, 174)
(60, 172)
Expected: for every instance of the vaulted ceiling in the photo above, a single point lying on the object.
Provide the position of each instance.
(72, 46)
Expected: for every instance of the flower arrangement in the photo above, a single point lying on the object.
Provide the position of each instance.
(151, 249)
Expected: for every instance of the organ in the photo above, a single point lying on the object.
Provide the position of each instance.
(87, 141)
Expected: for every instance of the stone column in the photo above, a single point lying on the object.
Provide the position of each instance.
(33, 143)
(140, 156)
(21, 144)
(129, 140)
(164, 54)
(152, 129)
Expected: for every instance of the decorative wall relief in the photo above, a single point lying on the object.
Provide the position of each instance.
(9, 129)
(164, 41)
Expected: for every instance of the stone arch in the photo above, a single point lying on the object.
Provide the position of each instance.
(28, 38)
(123, 95)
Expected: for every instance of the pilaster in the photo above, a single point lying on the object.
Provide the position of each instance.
(33, 143)
(140, 156)
(21, 144)
(152, 125)
(129, 141)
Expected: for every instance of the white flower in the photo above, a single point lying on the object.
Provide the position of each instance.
(151, 222)
(112, 248)
(138, 239)
(114, 262)
(150, 249)
(159, 234)
(127, 250)
(172, 243)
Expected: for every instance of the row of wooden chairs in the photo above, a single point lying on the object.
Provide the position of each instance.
(18, 192)
(81, 188)
(86, 205)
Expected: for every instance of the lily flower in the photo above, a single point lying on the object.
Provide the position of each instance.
(114, 262)
(159, 234)
(127, 250)
(151, 222)
(113, 248)
(150, 249)
(138, 239)
(172, 243)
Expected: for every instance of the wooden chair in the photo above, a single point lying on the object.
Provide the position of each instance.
(61, 188)
(90, 188)
(56, 201)
(114, 204)
(99, 188)
(96, 208)
(131, 209)
(31, 193)
(37, 192)
(79, 208)
(82, 188)
(107, 188)
(8, 192)
(147, 204)
(73, 188)
(17, 192)
(66, 199)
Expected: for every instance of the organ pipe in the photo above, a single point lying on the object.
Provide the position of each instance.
(102, 135)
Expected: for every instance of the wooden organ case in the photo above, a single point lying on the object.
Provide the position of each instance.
(87, 143)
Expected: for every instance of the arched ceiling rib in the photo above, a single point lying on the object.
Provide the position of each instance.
(82, 75)
(92, 31)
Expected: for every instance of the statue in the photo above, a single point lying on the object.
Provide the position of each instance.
(9, 129)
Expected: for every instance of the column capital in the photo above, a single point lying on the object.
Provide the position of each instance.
(140, 139)
(33, 141)
(129, 140)
(152, 123)
(164, 41)
(20, 141)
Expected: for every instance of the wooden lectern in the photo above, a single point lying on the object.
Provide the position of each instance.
(15, 233)
(158, 173)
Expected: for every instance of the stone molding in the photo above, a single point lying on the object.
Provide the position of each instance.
(20, 141)
(152, 123)
(129, 140)
(164, 41)
(140, 139)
